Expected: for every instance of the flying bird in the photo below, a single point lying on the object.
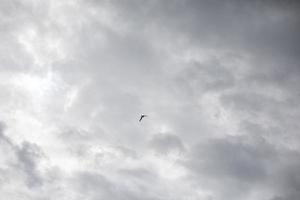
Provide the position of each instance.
(142, 116)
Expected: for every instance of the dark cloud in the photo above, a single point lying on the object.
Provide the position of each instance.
(221, 158)
(240, 165)
(28, 155)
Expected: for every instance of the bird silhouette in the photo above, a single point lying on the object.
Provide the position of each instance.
(142, 116)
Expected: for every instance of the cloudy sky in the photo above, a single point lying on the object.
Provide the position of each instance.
(219, 81)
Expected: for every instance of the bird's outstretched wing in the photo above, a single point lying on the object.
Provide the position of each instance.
(141, 118)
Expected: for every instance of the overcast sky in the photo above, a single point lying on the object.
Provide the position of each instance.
(219, 81)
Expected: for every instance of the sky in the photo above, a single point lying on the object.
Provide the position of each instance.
(219, 81)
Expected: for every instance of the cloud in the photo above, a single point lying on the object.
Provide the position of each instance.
(165, 144)
(22, 158)
(238, 166)
(218, 80)
(28, 156)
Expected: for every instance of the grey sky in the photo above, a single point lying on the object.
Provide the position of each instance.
(219, 80)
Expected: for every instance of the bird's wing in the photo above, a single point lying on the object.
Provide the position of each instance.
(141, 118)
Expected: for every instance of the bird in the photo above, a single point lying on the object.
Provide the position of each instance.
(142, 116)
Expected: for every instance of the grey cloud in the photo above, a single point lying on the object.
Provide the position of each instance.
(282, 113)
(95, 186)
(277, 198)
(220, 24)
(3, 137)
(23, 159)
(227, 157)
(286, 178)
(110, 61)
(239, 165)
(28, 156)
(282, 173)
(141, 174)
(16, 17)
(208, 76)
(249, 102)
(127, 152)
(165, 144)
